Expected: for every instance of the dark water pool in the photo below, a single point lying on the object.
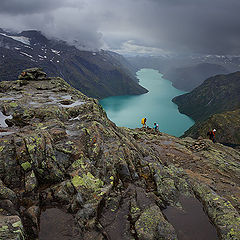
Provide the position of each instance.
(55, 224)
(191, 223)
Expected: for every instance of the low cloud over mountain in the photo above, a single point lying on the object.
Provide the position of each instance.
(147, 26)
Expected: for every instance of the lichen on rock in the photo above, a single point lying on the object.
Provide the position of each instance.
(63, 151)
(152, 225)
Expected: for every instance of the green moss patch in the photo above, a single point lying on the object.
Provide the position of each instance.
(26, 165)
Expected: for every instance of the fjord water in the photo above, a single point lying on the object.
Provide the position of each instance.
(156, 105)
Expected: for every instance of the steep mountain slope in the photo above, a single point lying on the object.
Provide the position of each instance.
(216, 95)
(60, 153)
(97, 74)
(188, 78)
(226, 123)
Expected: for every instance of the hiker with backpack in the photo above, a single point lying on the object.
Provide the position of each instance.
(143, 121)
(155, 127)
(211, 135)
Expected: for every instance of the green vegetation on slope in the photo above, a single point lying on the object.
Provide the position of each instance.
(216, 95)
(227, 125)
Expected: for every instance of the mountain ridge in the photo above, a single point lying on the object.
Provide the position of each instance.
(188, 78)
(97, 74)
(215, 95)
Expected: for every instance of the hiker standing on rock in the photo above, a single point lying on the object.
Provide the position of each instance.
(211, 135)
(144, 120)
(155, 127)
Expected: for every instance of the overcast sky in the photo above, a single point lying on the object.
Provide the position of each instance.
(132, 26)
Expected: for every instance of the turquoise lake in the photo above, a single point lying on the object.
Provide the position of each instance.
(156, 106)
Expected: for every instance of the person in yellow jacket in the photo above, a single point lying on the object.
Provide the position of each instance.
(144, 120)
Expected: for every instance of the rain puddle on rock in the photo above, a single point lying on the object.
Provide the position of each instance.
(166, 142)
(65, 101)
(7, 98)
(33, 103)
(72, 133)
(2, 120)
(66, 97)
(57, 225)
(191, 223)
(5, 133)
(77, 103)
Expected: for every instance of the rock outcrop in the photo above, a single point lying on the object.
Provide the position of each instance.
(61, 151)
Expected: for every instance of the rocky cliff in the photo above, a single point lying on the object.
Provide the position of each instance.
(58, 150)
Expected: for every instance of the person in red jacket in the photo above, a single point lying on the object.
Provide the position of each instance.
(211, 135)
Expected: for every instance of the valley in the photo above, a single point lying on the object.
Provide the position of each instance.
(156, 106)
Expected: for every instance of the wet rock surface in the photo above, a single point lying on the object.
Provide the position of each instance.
(198, 228)
(56, 224)
(113, 183)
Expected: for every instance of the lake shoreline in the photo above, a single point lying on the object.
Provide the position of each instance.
(156, 105)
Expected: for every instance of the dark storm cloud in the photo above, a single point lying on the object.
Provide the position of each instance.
(191, 26)
(201, 26)
(28, 6)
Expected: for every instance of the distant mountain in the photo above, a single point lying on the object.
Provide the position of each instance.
(226, 123)
(160, 63)
(188, 78)
(217, 94)
(188, 71)
(97, 74)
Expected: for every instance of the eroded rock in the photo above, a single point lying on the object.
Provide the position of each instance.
(65, 153)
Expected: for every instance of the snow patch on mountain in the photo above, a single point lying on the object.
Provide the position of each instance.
(21, 39)
(26, 54)
(56, 52)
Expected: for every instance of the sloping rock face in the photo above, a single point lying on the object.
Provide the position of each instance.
(59, 149)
